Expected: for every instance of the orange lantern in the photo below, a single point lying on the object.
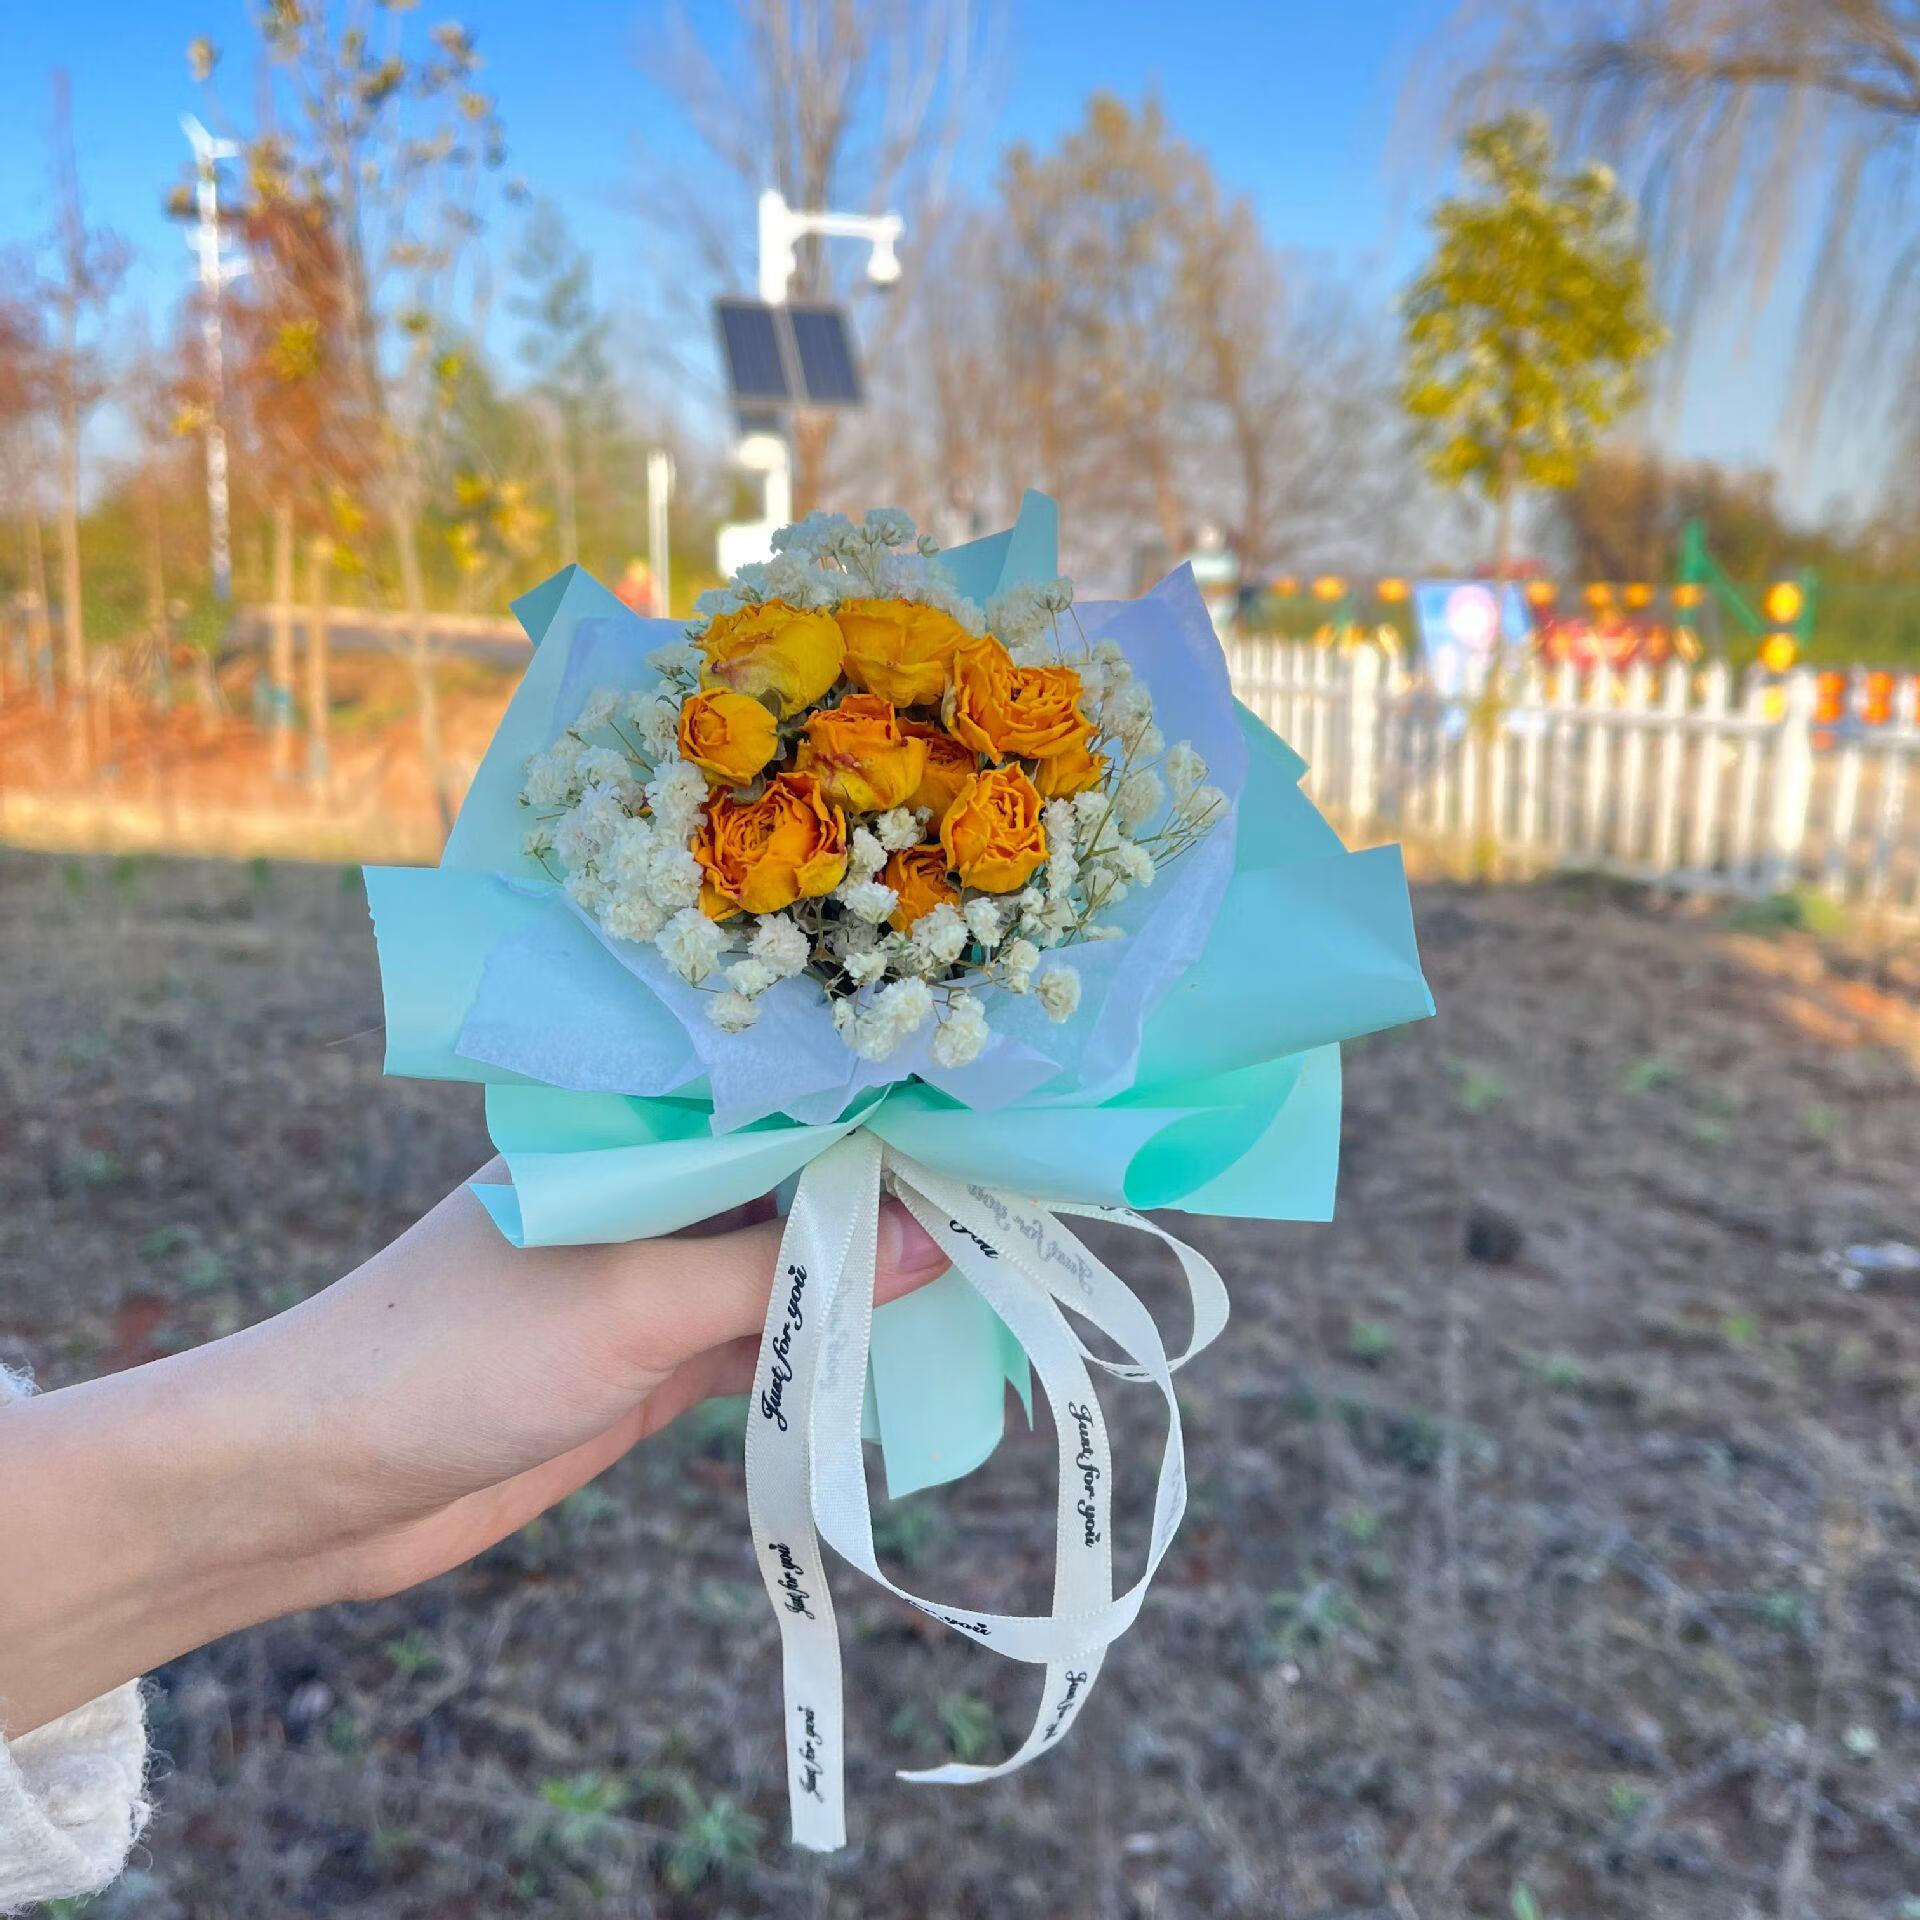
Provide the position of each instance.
(1597, 594)
(1540, 593)
(1688, 594)
(1778, 652)
(1392, 590)
(1638, 594)
(1287, 587)
(1783, 602)
(1329, 586)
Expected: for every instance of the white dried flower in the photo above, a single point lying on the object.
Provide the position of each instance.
(897, 830)
(818, 533)
(866, 855)
(587, 830)
(537, 841)
(1098, 828)
(751, 977)
(691, 944)
(1149, 743)
(897, 1011)
(1058, 991)
(732, 1012)
(889, 527)
(597, 709)
(586, 889)
(1185, 769)
(941, 934)
(865, 966)
(677, 657)
(608, 767)
(960, 1036)
(1202, 806)
(716, 603)
(553, 775)
(674, 877)
(782, 945)
(984, 922)
(1017, 961)
(844, 1015)
(1133, 863)
(632, 916)
(655, 718)
(629, 859)
(1101, 931)
(1110, 654)
(1062, 824)
(867, 900)
(676, 793)
(1138, 798)
(1062, 871)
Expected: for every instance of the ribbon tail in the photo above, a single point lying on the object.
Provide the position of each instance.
(829, 1244)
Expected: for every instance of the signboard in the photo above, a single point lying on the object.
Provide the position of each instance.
(1460, 622)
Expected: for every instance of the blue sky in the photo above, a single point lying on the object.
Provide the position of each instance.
(1295, 100)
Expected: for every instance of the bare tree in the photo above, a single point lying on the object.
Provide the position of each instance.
(88, 266)
(395, 142)
(22, 398)
(1742, 125)
(859, 105)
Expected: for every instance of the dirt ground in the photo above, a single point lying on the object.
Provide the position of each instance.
(1573, 1579)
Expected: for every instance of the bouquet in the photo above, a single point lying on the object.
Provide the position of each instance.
(900, 869)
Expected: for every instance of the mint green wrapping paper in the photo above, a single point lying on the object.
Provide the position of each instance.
(1215, 1091)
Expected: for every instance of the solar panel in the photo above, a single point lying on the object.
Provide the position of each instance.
(829, 375)
(750, 343)
(780, 356)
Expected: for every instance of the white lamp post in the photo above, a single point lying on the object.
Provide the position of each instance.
(768, 453)
(217, 268)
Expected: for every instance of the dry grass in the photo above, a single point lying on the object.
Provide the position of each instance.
(1580, 1585)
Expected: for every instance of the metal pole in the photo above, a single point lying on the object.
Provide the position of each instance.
(215, 272)
(659, 559)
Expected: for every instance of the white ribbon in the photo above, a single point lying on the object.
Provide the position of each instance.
(806, 1472)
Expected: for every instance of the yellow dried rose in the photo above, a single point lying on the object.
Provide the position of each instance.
(1072, 770)
(919, 876)
(773, 649)
(859, 754)
(729, 736)
(1012, 712)
(762, 855)
(949, 767)
(992, 835)
(898, 649)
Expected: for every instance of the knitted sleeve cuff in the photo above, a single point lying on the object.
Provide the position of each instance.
(72, 1793)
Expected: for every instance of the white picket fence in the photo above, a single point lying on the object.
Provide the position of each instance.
(1673, 776)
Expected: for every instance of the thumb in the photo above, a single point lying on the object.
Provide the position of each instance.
(681, 1297)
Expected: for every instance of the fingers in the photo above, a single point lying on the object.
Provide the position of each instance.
(686, 1296)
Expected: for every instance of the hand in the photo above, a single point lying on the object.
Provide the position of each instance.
(381, 1432)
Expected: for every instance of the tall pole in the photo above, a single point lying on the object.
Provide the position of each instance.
(215, 272)
(659, 559)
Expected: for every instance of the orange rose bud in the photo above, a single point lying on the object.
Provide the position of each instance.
(728, 736)
(919, 876)
(773, 649)
(898, 649)
(859, 754)
(949, 767)
(1010, 712)
(1071, 771)
(992, 833)
(763, 855)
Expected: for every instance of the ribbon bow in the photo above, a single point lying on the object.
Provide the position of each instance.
(806, 1474)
